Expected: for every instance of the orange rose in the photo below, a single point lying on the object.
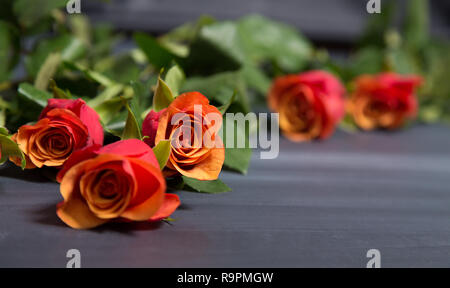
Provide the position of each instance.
(119, 181)
(64, 126)
(310, 104)
(384, 101)
(203, 157)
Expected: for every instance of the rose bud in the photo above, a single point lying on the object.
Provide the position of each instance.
(192, 125)
(150, 127)
(384, 101)
(120, 181)
(64, 126)
(310, 104)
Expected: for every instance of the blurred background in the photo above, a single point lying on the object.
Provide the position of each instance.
(330, 23)
(220, 46)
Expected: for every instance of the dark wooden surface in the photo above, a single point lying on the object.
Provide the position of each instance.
(319, 204)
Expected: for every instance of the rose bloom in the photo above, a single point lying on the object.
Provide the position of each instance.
(202, 158)
(64, 126)
(384, 101)
(310, 104)
(120, 181)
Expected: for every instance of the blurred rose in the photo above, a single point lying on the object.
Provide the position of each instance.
(64, 126)
(119, 181)
(384, 101)
(310, 104)
(199, 159)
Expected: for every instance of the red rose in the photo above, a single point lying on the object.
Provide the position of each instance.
(310, 104)
(86, 114)
(119, 181)
(384, 101)
(64, 126)
(150, 126)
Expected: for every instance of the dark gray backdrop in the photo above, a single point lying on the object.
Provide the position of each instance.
(329, 21)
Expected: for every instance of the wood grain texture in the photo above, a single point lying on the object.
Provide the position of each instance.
(319, 204)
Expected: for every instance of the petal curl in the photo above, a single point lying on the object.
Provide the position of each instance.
(170, 204)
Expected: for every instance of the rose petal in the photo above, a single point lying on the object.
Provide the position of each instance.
(76, 158)
(323, 83)
(86, 114)
(151, 186)
(280, 86)
(170, 204)
(131, 148)
(74, 211)
(76, 214)
(187, 100)
(207, 169)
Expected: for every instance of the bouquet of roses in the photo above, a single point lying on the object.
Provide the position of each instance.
(77, 95)
(124, 180)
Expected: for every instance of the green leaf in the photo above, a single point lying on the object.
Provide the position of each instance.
(369, 60)
(142, 91)
(238, 159)
(378, 25)
(266, 40)
(156, 54)
(348, 125)
(47, 71)
(401, 61)
(9, 48)
(210, 187)
(435, 95)
(68, 46)
(132, 129)
(34, 95)
(4, 104)
(2, 118)
(175, 78)
(6, 11)
(187, 32)
(93, 75)
(109, 109)
(136, 105)
(121, 68)
(58, 93)
(3, 131)
(223, 109)
(430, 114)
(30, 12)
(162, 152)
(220, 87)
(116, 125)
(81, 28)
(178, 40)
(216, 49)
(256, 79)
(110, 92)
(163, 96)
(9, 148)
(417, 24)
